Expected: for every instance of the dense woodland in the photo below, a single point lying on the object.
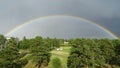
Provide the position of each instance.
(94, 53)
(84, 53)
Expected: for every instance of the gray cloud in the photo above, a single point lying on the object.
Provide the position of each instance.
(16, 12)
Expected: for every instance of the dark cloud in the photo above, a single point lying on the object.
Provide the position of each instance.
(16, 12)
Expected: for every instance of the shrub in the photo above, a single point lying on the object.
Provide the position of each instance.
(56, 62)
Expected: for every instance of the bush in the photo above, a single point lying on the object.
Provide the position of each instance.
(56, 62)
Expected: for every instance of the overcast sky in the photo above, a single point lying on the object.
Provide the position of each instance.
(104, 12)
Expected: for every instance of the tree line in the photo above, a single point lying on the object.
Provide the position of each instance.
(85, 53)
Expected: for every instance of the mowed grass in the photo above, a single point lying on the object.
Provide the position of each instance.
(62, 55)
(30, 65)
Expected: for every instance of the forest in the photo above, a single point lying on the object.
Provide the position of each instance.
(39, 52)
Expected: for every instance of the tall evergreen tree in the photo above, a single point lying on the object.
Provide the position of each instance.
(40, 52)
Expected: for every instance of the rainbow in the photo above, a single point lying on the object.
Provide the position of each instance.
(76, 17)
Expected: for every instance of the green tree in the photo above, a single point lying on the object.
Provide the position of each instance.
(10, 55)
(24, 44)
(2, 42)
(40, 52)
(56, 43)
(85, 53)
(108, 49)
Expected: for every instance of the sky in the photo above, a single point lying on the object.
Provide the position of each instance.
(60, 26)
(103, 12)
